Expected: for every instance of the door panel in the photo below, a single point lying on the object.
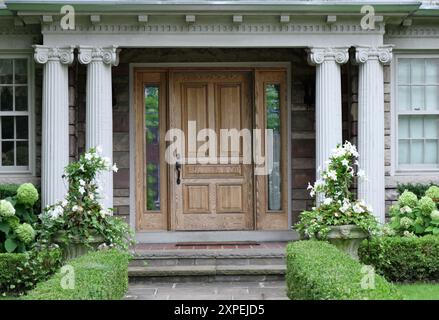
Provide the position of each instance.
(211, 196)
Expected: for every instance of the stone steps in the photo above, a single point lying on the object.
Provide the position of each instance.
(207, 265)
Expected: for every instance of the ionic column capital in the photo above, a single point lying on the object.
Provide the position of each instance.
(382, 53)
(319, 55)
(43, 54)
(108, 55)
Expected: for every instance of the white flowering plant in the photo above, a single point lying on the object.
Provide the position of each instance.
(411, 216)
(336, 204)
(80, 216)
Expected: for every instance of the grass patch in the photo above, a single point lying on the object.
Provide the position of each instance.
(420, 291)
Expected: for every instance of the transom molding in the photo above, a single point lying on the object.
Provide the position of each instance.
(319, 55)
(382, 53)
(108, 55)
(43, 54)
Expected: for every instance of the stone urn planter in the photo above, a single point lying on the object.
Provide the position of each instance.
(76, 247)
(347, 238)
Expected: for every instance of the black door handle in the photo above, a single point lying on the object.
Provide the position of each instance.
(178, 168)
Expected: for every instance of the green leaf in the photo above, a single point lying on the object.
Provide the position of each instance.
(4, 227)
(436, 231)
(10, 245)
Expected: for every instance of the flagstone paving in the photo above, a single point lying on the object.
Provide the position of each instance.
(267, 290)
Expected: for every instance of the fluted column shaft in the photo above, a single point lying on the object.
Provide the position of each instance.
(55, 121)
(371, 126)
(328, 100)
(99, 111)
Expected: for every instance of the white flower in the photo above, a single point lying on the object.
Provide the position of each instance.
(358, 208)
(115, 168)
(327, 201)
(88, 156)
(332, 174)
(98, 149)
(56, 212)
(81, 167)
(91, 196)
(76, 208)
(103, 213)
(312, 193)
(309, 186)
(81, 182)
(361, 173)
(346, 205)
(345, 162)
(64, 203)
(356, 162)
(81, 190)
(406, 209)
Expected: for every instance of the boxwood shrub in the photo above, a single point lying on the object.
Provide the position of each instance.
(403, 259)
(99, 275)
(10, 266)
(8, 190)
(317, 270)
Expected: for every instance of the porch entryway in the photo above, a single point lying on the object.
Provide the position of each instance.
(203, 182)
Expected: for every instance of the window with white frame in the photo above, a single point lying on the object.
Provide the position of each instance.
(417, 111)
(15, 114)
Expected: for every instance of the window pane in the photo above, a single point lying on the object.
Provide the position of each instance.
(22, 153)
(7, 128)
(22, 127)
(430, 155)
(272, 93)
(7, 153)
(404, 97)
(416, 127)
(5, 71)
(20, 98)
(417, 98)
(403, 71)
(152, 132)
(417, 152)
(403, 152)
(430, 127)
(432, 97)
(432, 71)
(21, 71)
(6, 100)
(417, 75)
(403, 127)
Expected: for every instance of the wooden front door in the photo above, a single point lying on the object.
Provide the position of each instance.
(215, 189)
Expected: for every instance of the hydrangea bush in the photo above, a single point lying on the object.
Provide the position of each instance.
(17, 219)
(337, 205)
(415, 217)
(80, 217)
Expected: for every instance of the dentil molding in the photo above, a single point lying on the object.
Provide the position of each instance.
(108, 55)
(382, 53)
(43, 54)
(319, 55)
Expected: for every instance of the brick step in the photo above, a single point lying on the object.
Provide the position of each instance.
(238, 257)
(206, 273)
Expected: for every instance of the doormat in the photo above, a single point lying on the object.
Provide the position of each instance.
(203, 244)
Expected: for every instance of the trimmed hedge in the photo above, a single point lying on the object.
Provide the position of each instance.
(8, 190)
(20, 272)
(403, 258)
(317, 270)
(10, 267)
(99, 275)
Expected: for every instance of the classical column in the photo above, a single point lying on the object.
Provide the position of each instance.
(99, 113)
(328, 100)
(55, 121)
(371, 125)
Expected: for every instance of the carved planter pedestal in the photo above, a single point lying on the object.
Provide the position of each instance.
(77, 247)
(347, 238)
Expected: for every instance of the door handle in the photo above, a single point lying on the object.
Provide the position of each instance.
(178, 168)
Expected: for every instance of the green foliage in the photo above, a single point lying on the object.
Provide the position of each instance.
(20, 272)
(317, 270)
(338, 206)
(100, 275)
(403, 258)
(417, 188)
(80, 216)
(17, 219)
(419, 291)
(8, 190)
(413, 217)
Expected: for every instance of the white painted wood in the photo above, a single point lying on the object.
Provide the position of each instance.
(55, 122)
(99, 111)
(328, 100)
(371, 125)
